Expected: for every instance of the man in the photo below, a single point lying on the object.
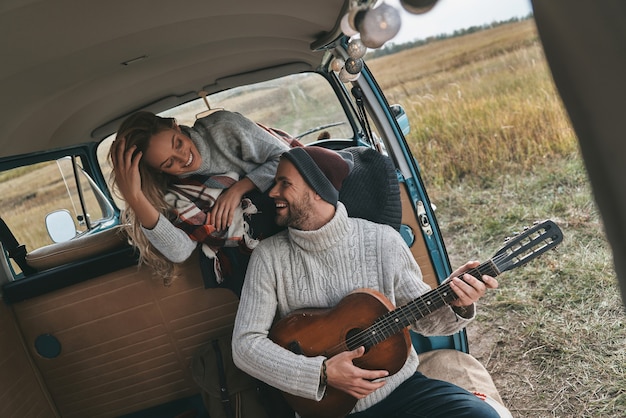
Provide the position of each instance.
(323, 256)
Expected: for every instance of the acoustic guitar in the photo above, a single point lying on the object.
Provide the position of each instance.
(367, 318)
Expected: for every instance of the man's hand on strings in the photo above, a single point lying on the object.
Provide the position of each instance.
(467, 287)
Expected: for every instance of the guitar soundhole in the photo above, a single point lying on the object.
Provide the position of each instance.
(294, 347)
(355, 338)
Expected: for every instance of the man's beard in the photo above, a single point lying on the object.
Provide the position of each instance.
(298, 213)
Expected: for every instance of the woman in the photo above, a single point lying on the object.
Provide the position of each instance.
(151, 153)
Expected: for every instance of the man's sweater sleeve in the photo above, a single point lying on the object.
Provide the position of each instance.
(172, 242)
(253, 351)
(409, 285)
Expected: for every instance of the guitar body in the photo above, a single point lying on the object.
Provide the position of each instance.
(327, 332)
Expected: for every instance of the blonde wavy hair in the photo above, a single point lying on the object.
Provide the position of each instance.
(137, 130)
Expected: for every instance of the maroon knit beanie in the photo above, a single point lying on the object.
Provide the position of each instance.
(323, 169)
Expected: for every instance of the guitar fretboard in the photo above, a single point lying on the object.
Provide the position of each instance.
(400, 318)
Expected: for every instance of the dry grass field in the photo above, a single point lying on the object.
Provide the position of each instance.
(497, 152)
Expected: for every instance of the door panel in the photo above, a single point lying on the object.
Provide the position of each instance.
(126, 340)
(418, 249)
(21, 394)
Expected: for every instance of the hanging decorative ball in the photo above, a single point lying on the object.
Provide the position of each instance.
(346, 28)
(378, 25)
(354, 15)
(353, 77)
(337, 64)
(346, 77)
(371, 42)
(356, 49)
(418, 6)
(354, 66)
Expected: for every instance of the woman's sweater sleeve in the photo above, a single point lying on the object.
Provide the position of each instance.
(247, 141)
(258, 145)
(172, 242)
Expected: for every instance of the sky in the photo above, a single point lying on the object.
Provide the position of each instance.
(450, 15)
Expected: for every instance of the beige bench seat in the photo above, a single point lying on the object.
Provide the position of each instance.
(81, 248)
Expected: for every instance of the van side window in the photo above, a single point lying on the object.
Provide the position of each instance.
(303, 105)
(33, 192)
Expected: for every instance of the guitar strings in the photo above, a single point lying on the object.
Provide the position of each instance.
(378, 332)
(381, 332)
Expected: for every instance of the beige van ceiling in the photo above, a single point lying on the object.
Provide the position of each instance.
(71, 66)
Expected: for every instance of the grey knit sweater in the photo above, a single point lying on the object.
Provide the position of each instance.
(303, 269)
(227, 141)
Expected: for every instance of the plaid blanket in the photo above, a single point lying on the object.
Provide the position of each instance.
(224, 253)
(192, 199)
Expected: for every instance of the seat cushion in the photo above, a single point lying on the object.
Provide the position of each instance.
(54, 255)
(459, 368)
(371, 191)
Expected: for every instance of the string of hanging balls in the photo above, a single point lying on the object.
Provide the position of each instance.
(374, 26)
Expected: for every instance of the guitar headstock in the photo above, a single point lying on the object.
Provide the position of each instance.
(527, 245)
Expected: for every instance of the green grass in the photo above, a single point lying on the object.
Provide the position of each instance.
(484, 107)
(555, 328)
(497, 153)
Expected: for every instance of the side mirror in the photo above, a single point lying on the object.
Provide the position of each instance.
(60, 225)
(399, 113)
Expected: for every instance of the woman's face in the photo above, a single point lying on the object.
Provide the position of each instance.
(172, 152)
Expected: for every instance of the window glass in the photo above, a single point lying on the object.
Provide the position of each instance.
(300, 104)
(32, 192)
(297, 104)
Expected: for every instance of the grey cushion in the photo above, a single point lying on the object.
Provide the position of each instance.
(371, 191)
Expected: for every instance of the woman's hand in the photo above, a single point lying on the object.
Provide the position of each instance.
(128, 180)
(223, 211)
(126, 170)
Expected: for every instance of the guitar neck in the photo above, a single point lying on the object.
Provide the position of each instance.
(396, 320)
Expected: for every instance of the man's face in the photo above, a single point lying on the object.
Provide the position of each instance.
(293, 198)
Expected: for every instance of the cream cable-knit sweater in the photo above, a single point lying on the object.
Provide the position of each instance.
(316, 269)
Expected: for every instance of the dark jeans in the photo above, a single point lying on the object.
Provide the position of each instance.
(421, 397)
